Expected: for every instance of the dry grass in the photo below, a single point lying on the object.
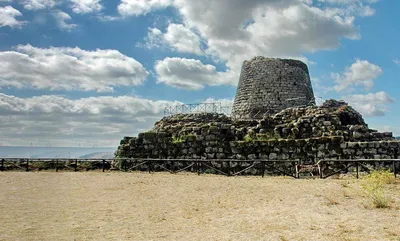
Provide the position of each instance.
(161, 206)
(375, 184)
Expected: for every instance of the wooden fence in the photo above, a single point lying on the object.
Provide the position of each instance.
(228, 167)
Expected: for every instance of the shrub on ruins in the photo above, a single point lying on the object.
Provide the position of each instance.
(182, 138)
(248, 138)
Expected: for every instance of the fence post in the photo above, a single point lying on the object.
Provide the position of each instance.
(394, 169)
(229, 168)
(2, 165)
(148, 165)
(357, 169)
(104, 164)
(76, 165)
(173, 167)
(262, 168)
(56, 165)
(27, 165)
(321, 175)
(198, 167)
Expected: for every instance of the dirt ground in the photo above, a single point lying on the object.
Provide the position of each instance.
(162, 206)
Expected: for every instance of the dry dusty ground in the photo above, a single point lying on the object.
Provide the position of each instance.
(162, 206)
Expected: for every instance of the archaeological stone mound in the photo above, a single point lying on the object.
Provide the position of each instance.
(274, 118)
(269, 85)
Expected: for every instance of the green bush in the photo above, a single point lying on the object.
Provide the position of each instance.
(177, 139)
(182, 138)
(248, 138)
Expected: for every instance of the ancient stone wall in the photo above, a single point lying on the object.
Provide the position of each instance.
(308, 151)
(269, 85)
(333, 130)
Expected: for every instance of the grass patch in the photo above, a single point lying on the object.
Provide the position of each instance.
(182, 138)
(248, 138)
(260, 137)
(178, 139)
(374, 184)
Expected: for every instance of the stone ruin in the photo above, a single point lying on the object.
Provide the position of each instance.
(268, 85)
(286, 130)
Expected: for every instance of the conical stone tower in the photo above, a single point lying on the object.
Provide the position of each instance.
(269, 85)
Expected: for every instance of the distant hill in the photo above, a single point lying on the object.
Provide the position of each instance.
(56, 152)
(398, 138)
(99, 155)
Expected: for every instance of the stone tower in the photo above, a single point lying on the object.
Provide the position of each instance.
(268, 85)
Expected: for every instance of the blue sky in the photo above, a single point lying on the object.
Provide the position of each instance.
(87, 72)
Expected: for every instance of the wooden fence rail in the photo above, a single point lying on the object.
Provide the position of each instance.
(220, 166)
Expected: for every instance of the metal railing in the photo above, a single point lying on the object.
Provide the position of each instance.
(216, 107)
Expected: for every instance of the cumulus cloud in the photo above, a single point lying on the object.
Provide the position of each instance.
(396, 61)
(140, 7)
(8, 17)
(371, 104)
(60, 68)
(237, 30)
(177, 36)
(223, 102)
(61, 20)
(86, 6)
(77, 6)
(360, 73)
(39, 4)
(188, 74)
(348, 2)
(60, 121)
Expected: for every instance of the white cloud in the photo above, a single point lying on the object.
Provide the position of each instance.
(8, 16)
(60, 121)
(347, 2)
(360, 73)
(141, 7)
(61, 18)
(177, 36)
(371, 104)
(396, 61)
(224, 102)
(86, 6)
(354, 9)
(77, 6)
(238, 30)
(188, 74)
(39, 4)
(60, 68)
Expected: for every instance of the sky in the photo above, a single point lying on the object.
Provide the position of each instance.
(88, 72)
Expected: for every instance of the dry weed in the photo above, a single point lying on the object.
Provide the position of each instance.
(374, 184)
(331, 200)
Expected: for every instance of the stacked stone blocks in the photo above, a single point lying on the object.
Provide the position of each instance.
(269, 85)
